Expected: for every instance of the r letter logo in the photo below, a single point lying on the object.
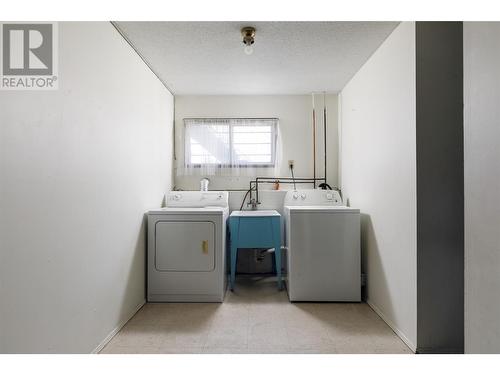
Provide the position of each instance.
(29, 59)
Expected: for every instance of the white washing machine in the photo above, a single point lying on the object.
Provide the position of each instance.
(186, 259)
(323, 256)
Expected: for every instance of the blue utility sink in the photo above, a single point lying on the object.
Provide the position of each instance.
(255, 229)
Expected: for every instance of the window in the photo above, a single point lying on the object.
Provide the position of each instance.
(230, 142)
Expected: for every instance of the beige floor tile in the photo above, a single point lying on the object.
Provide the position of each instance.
(268, 350)
(180, 350)
(148, 314)
(267, 313)
(221, 350)
(258, 289)
(267, 335)
(139, 336)
(184, 335)
(298, 312)
(256, 318)
(236, 299)
(115, 349)
(237, 315)
(358, 341)
(227, 335)
(306, 351)
(301, 337)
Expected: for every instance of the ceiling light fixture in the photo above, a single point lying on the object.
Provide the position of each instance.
(248, 34)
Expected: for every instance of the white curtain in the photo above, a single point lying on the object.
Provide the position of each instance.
(230, 147)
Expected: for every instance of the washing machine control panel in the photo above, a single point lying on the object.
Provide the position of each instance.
(299, 196)
(313, 197)
(198, 199)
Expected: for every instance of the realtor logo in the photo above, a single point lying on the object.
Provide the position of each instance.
(29, 59)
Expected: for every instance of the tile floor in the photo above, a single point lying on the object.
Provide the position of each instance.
(256, 318)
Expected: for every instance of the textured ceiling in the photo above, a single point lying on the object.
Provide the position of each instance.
(207, 58)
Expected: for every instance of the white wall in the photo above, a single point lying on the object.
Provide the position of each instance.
(482, 184)
(78, 169)
(378, 121)
(295, 117)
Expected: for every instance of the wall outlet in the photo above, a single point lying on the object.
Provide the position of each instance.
(291, 163)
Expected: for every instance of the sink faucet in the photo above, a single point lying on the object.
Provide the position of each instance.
(253, 202)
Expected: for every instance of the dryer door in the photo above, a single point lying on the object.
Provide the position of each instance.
(185, 246)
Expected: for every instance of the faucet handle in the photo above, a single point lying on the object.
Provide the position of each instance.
(253, 203)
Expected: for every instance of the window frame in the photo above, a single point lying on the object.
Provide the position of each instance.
(274, 143)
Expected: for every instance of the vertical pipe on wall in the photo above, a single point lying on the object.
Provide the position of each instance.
(314, 140)
(339, 135)
(324, 131)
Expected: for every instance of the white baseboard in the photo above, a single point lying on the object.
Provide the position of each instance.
(391, 324)
(117, 328)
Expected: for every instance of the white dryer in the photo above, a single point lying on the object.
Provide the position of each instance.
(186, 259)
(323, 256)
